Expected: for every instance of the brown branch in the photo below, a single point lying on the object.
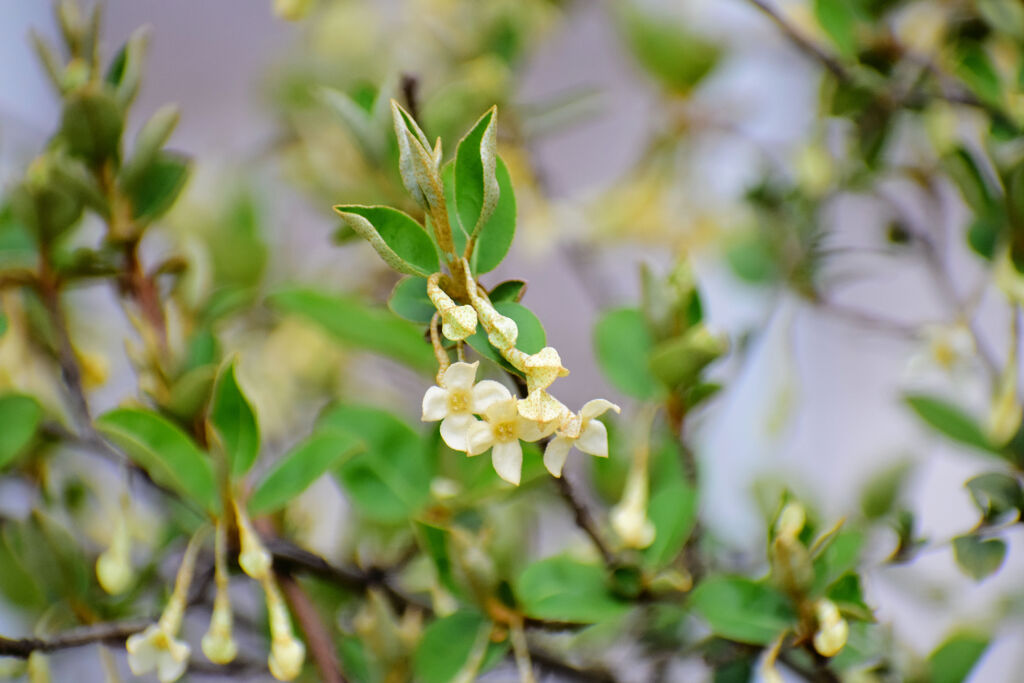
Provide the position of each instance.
(583, 518)
(805, 44)
(320, 647)
(114, 632)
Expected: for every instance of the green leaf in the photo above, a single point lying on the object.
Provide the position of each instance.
(563, 589)
(743, 610)
(353, 322)
(752, 260)
(996, 493)
(433, 540)
(668, 50)
(961, 166)
(949, 420)
(402, 243)
(409, 300)
(153, 189)
(233, 418)
(673, 510)
(623, 343)
(300, 467)
(91, 125)
(150, 140)
(838, 556)
(838, 20)
(978, 558)
(364, 130)
(164, 451)
(531, 332)
(509, 290)
(476, 185)
(390, 480)
(449, 643)
(952, 661)
(19, 419)
(883, 490)
(497, 233)
(976, 69)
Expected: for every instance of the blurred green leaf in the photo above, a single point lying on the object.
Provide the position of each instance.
(961, 166)
(977, 557)
(150, 140)
(164, 451)
(883, 489)
(190, 392)
(952, 661)
(996, 493)
(409, 300)
(234, 420)
(838, 555)
(976, 69)
(563, 589)
(390, 480)
(752, 260)
(300, 467)
(667, 49)
(19, 420)
(400, 241)
(448, 643)
(497, 233)
(838, 19)
(353, 322)
(623, 344)
(154, 189)
(673, 510)
(91, 125)
(433, 541)
(949, 420)
(742, 610)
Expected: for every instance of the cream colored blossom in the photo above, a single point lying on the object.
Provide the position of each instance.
(541, 369)
(832, 631)
(501, 431)
(584, 431)
(456, 400)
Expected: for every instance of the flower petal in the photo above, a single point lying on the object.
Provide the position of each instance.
(435, 404)
(479, 438)
(596, 408)
(556, 453)
(460, 376)
(171, 664)
(507, 458)
(487, 392)
(594, 439)
(528, 430)
(501, 411)
(455, 430)
(142, 652)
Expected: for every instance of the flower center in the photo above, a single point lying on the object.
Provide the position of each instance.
(458, 402)
(505, 431)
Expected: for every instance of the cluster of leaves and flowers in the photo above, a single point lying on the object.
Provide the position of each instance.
(213, 466)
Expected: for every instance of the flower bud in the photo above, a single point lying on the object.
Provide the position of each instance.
(114, 566)
(832, 629)
(286, 658)
(253, 558)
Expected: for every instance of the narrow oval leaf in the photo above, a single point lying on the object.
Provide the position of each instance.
(19, 419)
(409, 300)
(164, 451)
(950, 421)
(300, 467)
(742, 610)
(352, 322)
(562, 589)
(624, 343)
(457, 648)
(402, 242)
(235, 422)
(155, 187)
(977, 557)
(496, 235)
(952, 661)
(673, 511)
(476, 185)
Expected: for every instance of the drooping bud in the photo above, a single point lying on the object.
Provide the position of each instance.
(832, 631)
(253, 557)
(114, 566)
(287, 653)
(219, 644)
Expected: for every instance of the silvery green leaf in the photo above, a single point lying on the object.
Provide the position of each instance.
(476, 182)
(358, 121)
(150, 140)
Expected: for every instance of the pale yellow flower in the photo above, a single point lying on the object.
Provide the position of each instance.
(501, 431)
(457, 399)
(584, 431)
(832, 631)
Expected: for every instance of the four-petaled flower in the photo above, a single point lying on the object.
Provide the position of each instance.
(156, 649)
(501, 430)
(456, 401)
(584, 431)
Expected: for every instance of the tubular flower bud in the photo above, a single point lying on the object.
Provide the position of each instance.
(218, 644)
(791, 520)
(253, 558)
(502, 332)
(457, 322)
(287, 653)
(157, 648)
(114, 566)
(629, 517)
(832, 631)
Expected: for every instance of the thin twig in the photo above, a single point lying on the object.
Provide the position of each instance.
(113, 632)
(320, 647)
(583, 518)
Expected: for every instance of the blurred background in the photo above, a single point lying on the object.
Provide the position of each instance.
(614, 167)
